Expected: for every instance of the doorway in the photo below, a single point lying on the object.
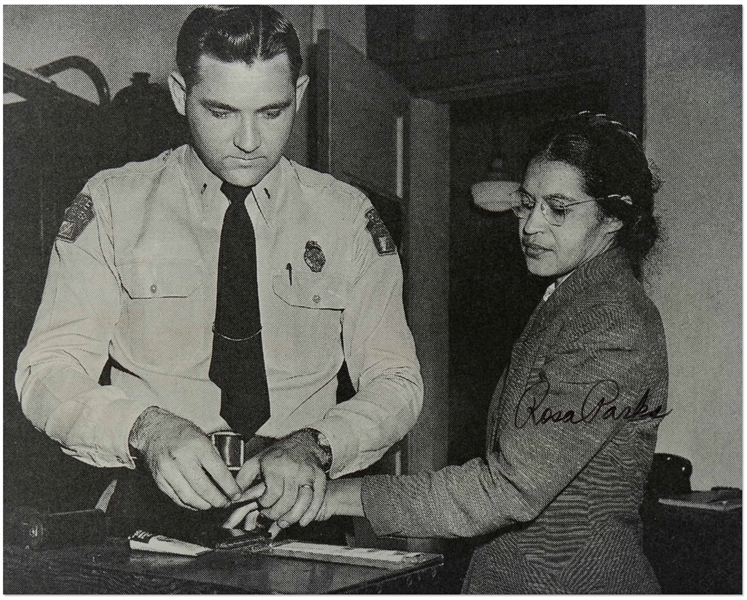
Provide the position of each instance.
(491, 294)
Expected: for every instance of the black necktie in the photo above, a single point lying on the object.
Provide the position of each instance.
(238, 366)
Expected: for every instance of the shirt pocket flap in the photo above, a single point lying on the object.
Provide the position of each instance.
(311, 290)
(168, 278)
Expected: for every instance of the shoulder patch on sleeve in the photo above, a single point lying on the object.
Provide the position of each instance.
(379, 234)
(77, 216)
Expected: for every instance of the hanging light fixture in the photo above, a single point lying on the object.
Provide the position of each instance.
(496, 194)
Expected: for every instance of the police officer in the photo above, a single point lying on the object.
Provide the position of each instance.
(134, 277)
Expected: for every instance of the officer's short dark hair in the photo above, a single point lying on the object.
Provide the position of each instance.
(236, 33)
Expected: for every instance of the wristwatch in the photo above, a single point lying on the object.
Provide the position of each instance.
(321, 440)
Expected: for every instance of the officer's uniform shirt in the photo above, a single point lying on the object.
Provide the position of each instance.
(133, 275)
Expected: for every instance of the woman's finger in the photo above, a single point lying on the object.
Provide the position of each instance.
(239, 515)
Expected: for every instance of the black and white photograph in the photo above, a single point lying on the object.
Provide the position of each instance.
(372, 299)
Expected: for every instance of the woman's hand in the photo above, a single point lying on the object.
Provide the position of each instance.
(343, 497)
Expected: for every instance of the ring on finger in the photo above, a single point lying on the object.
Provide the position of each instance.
(306, 485)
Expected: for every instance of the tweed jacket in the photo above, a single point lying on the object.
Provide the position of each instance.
(570, 439)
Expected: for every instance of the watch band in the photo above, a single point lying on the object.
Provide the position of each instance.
(323, 443)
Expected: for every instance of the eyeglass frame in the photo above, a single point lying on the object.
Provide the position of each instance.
(544, 208)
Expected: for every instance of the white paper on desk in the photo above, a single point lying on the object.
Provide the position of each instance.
(372, 557)
(142, 540)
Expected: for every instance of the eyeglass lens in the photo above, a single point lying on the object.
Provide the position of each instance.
(553, 215)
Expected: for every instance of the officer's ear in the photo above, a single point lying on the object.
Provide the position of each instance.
(301, 85)
(178, 88)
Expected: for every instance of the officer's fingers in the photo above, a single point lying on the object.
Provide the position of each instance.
(169, 480)
(240, 514)
(320, 490)
(218, 471)
(203, 486)
(274, 486)
(248, 473)
(299, 509)
(284, 503)
(182, 462)
(164, 486)
(185, 492)
(252, 493)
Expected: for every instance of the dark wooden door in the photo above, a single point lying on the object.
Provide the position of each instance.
(361, 119)
(372, 134)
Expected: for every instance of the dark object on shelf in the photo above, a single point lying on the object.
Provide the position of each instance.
(143, 122)
(669, 475)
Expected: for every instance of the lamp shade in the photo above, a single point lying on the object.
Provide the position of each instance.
(496, 196)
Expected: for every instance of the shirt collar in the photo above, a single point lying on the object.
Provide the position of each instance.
(205, 184)
(554, 285)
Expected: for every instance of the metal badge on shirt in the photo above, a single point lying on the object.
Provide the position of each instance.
(379, 234)
(314, 256)
(77, 216)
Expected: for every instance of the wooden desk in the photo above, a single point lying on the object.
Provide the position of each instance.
(112, 568)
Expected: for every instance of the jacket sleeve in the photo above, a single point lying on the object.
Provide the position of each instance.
(59, 369)
(380, 354)
(601, 357)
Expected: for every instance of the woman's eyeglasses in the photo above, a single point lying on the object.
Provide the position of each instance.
(554, 210)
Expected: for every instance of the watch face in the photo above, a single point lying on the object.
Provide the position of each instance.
(323, 443)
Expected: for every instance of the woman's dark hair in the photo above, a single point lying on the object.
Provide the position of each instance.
(236, 33)
(615, 170)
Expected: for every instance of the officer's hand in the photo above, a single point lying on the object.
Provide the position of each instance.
(182, 460)
(294, 481)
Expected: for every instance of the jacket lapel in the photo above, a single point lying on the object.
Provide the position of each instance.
(580, 286)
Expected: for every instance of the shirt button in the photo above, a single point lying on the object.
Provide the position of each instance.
(153, 288)
(317, 298)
